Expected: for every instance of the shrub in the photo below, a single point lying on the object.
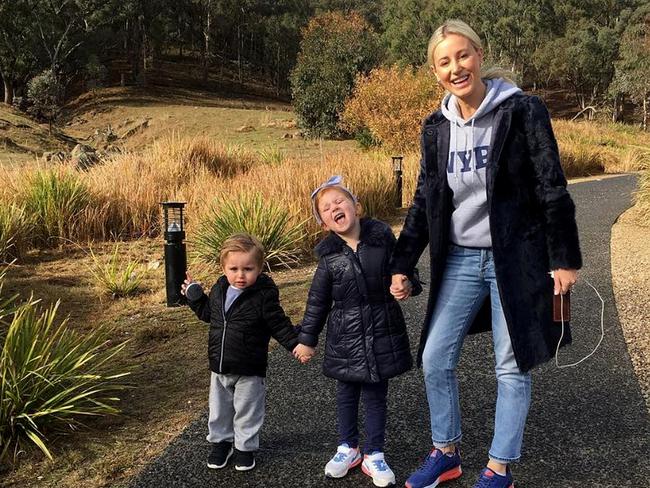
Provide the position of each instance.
(118, 276)
(270, 222)
(51, 377)
(390, 104)
(334, 49)
(55, 198)
(15, 232)
(45, 93)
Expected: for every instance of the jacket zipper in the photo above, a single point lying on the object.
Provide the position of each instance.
(223, 338)
(225, 325)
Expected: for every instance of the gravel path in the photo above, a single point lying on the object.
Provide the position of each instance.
(588, 426)
(631, 280)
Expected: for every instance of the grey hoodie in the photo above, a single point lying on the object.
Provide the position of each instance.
(470, 144)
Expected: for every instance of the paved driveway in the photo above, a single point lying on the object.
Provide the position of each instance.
(588, 426)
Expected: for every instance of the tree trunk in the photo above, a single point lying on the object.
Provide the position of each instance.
(206, 47)
(9, 91)
(239, 41)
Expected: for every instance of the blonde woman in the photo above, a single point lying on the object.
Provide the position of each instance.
(491, 203)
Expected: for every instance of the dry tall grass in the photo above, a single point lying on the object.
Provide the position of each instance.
(125, 193)
(595, 147)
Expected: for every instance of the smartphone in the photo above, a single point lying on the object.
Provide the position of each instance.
(562, 307)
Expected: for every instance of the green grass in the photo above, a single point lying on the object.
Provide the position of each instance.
(55, 198)
(117, 276)
(271, 223)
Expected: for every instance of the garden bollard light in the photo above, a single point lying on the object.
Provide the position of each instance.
(397, 169)
(175, 255)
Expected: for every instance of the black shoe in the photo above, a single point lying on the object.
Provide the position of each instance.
(220, 454)
(244, 460)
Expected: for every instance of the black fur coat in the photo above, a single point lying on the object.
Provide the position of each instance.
(532, 223)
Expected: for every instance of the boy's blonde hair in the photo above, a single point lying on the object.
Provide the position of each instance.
(242, 243)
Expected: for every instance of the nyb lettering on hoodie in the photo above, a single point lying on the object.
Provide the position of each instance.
(470, 146)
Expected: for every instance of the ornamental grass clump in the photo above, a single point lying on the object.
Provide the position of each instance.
(118, 276)
(55, 198)
(51, 377)
(15, 232)
(278, 230)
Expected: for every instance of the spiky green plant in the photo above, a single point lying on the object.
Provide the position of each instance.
(51, 377)
(15, 232)
(116, 275)
(55, 198)
(270, 222)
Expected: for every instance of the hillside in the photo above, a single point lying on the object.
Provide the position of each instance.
(22, 139)
(129, 119)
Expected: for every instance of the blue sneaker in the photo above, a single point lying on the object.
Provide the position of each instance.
(436, 468)
(490, 479)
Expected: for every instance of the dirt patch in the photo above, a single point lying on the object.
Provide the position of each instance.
(631, 281)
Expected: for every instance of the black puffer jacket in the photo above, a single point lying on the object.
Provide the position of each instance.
(366, 333)
(239, 338)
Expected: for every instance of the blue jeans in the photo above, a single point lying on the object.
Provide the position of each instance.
(467, 280)
(347, 409)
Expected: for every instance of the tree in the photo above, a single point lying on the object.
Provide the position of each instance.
(19, 52)
(334, 49)
(44, 93)
(632, 75)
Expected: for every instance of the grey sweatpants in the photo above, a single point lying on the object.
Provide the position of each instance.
(236, 410)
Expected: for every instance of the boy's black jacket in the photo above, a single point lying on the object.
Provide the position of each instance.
(366, 333)
(239, 339)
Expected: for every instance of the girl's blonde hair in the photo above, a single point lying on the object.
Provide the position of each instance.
(454, 26)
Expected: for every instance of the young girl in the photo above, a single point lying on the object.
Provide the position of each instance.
(366, 340)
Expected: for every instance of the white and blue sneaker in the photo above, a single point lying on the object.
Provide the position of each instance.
(344, 460)
(374, 465)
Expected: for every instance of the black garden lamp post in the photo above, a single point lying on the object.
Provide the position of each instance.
(175, 255)
(397, 170)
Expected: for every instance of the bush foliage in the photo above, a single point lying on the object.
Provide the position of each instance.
(334, 49)
(390, 104)
(51, 377)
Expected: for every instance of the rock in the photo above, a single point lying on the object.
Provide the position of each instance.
(83, 157)
(139, 126)
(54, 156)
(286, 135)
(245, 128)
(297, 135)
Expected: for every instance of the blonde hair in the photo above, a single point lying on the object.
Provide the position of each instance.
(242, 243)
(343, 191)
(458, 27)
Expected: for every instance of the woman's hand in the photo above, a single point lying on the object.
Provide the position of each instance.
(564, 280)
(400, 287)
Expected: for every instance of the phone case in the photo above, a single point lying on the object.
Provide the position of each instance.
(562, 302)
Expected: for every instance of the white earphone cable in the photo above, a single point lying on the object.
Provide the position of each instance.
(602, 329)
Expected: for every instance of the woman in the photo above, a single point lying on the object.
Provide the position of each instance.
(492, 205)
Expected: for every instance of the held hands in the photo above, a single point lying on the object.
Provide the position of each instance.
(400, 287)
(564, 280)
(303, 353)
